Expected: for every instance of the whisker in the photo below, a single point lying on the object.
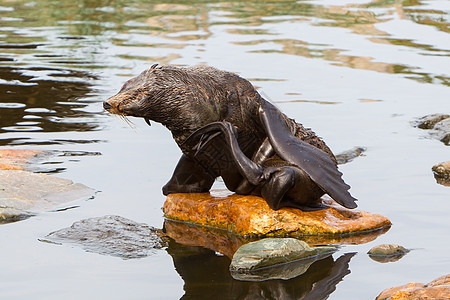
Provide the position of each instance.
(126, 121)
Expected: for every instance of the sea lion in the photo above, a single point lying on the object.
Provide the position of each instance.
(225, 128)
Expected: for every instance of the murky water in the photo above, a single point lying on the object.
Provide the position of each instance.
(355, 71)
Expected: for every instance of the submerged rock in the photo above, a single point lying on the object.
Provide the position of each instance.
(349, 155)
(111, 235)
(442, 173)
(272, 252)
(387, 253)
(437, 289)
(250, 215)
(23, 193)
(438, 126)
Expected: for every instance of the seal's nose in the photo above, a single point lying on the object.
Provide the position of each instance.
(106, 105)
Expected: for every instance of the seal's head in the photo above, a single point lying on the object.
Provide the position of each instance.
(185, 98)
(147, 95)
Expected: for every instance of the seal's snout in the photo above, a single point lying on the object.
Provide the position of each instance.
(106, 105)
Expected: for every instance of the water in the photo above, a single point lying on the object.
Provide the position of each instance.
(356, 71)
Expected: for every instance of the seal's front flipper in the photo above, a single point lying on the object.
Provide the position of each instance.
(188, 177)
(313, 161)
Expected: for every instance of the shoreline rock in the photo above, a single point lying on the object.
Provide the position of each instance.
(251, 216)
(16, 159)
(23, 194)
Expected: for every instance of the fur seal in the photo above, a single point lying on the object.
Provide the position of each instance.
(225, 128)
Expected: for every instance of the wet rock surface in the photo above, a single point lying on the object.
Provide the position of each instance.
(387, 253)
(438, 126)
(349, 155)
(111, 235)
(437, 289)
(250, 215)
(252, 261)
(23, 193)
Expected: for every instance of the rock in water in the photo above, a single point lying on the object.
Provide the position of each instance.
(272, 252)
(437, 289)
(442, 173)
(387, 253)
(23, 193)
(438, 126)
(349, 155)
(429, 121)
(251, 216)
(111, 235)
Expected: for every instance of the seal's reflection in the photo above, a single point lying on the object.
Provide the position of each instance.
(206, 276)
(206, 273)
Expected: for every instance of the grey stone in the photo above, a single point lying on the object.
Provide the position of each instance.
(387, 253)
(23, 193)
(111, 235)
(275, 258)
(349, 155)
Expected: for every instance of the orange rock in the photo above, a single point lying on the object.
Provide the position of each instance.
(214, 239)
(227, 243)
(251, 216)
(14, 159)
(437, 289)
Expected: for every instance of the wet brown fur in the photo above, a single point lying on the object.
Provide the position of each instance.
(185, 99)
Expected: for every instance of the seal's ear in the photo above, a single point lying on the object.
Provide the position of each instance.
(313, 161)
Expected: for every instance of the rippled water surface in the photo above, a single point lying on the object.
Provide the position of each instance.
(357, 72)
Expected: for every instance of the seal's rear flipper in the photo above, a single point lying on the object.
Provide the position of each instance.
(313, 161)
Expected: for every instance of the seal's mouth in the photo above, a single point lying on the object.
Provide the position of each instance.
(122, 110)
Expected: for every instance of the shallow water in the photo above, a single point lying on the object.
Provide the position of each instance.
(357, 72)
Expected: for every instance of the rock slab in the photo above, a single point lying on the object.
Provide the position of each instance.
(437, 289)
(110, 235)
(23, 193)
(251, 216)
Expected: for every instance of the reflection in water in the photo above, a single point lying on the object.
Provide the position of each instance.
(206, 275)
(48, 64)
(202, 257)
(50, 104)
(54, 65)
